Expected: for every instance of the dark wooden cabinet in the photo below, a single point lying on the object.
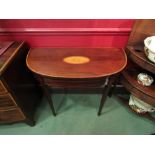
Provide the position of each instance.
(19, 91)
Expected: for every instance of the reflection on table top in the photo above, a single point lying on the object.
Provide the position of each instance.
(76, 62)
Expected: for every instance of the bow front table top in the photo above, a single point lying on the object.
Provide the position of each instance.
(76, 68)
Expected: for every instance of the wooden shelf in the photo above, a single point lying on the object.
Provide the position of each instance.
(139, 57)
(139, 63)
(129, 81)
(125, 102)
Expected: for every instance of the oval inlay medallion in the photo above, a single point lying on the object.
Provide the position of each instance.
(76, 59)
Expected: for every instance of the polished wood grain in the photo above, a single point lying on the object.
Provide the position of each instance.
(4, 46)
(2, 88)
(20, 92)
(11, 115)
(72, 83)
(138, 63)
(142, 29)
(131, 76)
(76, 68)
(6, 100)
(138, 93)
(138, 56)
(103, 62)
(9, 55)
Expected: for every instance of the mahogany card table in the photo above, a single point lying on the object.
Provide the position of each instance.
(76, 68)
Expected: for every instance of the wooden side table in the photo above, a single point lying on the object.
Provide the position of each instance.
(76, 68)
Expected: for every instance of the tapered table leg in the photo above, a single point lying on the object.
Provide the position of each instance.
(30, 122)
(115, 82)
(48, 95)
(105, 94)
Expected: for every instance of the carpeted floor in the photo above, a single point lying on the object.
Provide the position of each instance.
(77, 114)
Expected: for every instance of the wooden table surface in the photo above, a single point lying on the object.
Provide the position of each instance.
(76, 62)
